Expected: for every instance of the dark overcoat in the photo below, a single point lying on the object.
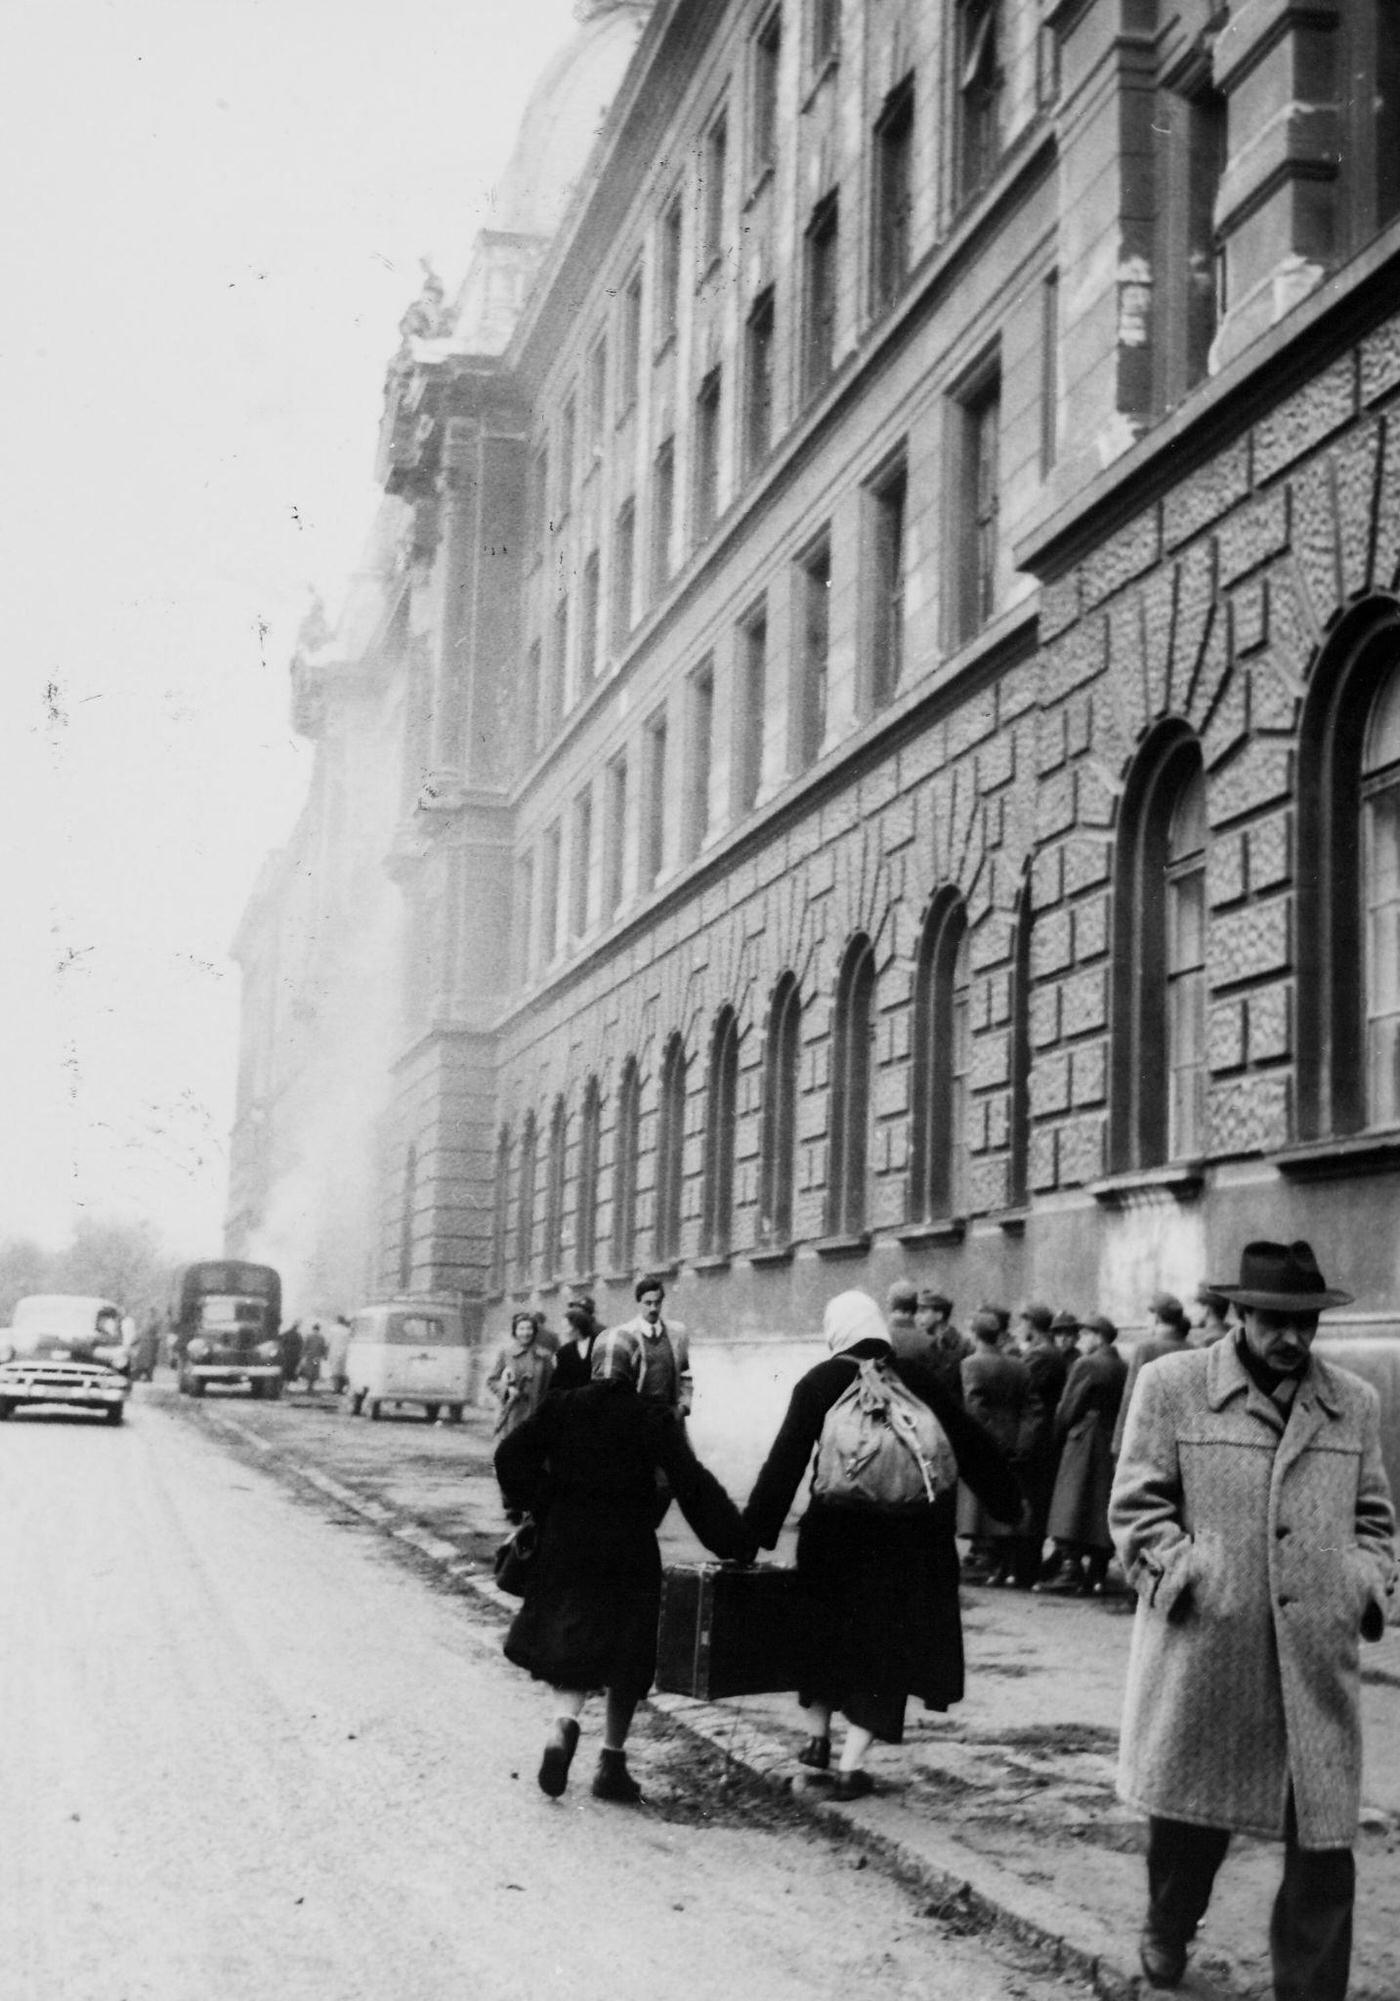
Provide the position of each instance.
(1261, 1549)
(883, 1588)
(1038, 1448)
(585, 1465)
(995, 1388)
(1084, 1424)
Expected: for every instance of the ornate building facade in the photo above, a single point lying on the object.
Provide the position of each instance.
(888, 645)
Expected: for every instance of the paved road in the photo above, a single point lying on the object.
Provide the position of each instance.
(249, 1753)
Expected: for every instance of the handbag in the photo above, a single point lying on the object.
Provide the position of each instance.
(515, 1559)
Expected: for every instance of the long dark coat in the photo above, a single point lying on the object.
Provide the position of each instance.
(995, 1388)
(585, 1465)
(1084, 1423)
(1261, 1549)
(1038, 1448)
(884, 1588)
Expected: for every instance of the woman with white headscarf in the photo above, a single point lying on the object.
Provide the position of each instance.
(883, 1582)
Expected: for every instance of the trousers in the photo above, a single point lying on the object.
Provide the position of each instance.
(1310, 1929)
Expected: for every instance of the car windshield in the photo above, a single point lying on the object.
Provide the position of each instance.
(225, 1313)
(42, 1324)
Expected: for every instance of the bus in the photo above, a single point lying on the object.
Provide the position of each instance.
(228, 1324)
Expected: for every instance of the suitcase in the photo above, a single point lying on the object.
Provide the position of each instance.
(727, 1630)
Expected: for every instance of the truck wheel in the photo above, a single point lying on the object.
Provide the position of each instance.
(114, 1413)
(272, 1388)
(7, 1409)
(354, 1401)
(196, 1386)
(430, 1411)
(454, 1413)
(372, 1409)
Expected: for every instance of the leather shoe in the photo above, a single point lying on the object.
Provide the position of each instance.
(852, 1785)
(816, 1752)
(1163, 1960)
(613, 1781)
(558, 1756)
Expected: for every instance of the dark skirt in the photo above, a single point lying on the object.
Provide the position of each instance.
(885, 1617)
(588, 1617)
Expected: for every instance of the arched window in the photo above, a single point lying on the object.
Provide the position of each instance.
(409, 1204)
(782, 1053)
(626, 1142)
(554, 1189)
(721, 1108)
(940, 1062)
(1019, 1123)
(586, 1209)
(1349, 883)
(500, 1211)
(670, 1151)
(525, 1203)
(1157, 1112)
(851, 1063)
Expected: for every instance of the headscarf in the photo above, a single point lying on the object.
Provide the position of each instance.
(850, 1318)
(616, 1359)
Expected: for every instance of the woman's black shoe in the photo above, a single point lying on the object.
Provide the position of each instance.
(558, 1756)
(1163, 1960)
(852, 1785)
(816, 1752)
(613, 1781)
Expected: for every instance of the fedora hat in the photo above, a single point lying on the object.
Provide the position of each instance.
(1282, 1278)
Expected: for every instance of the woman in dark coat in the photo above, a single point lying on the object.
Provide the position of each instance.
(884, 1586)
(995, 1387)
(1038, 1453)
(1084, 1423)
(586, 1466)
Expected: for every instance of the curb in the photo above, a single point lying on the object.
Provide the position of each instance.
(938, 1867)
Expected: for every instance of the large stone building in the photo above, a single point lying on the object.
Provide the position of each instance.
(881, 706)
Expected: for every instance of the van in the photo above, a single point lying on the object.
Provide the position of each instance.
(408, 1351)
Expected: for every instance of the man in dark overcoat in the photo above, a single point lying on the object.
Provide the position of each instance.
(1088, 1411)
(1253, 1519)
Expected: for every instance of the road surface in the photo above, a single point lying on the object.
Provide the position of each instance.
(249, 1753)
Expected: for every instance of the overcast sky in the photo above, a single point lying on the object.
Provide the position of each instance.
(212, 223)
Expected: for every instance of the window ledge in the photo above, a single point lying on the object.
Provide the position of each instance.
(771, 1254)
(1183, 1179)
(618, 1277)
(1012, 1221)
(1333, 1159)
(934, 1230)
(549, 1285)
(843, 1244)
(712, 1261)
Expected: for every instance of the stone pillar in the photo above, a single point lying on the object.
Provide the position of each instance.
(1277, 63)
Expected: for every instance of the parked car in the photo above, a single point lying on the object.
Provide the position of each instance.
(409, 1351)
(66, 1349)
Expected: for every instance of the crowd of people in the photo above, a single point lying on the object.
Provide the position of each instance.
(1237, 1477)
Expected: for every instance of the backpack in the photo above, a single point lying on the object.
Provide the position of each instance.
(882, 1447)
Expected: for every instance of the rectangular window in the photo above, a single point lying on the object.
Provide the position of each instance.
(597, 394)
(763, 100)
(539, 501)
(714, 164)
(568, 443)
(614, 855)
(749, 710)
(549, 894)
(887, 582)
(819, 297)
(814, 638)
(1049, 371)
(624, 571)
(705, 508)
(668, 273)
(1190, 131)
(977, 508)
(629, 345)
(980, 86)
(558, 667)
(653, 855)
(582, 864)
(532, 704)
(701, 691)
(588, 623)
(892, 194)
(525, 918)
(824, 32)
(663, 516)
(758, 382)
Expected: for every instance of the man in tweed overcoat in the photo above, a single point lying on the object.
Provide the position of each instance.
(1253, 1519)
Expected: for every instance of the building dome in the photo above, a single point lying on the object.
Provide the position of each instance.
(565, 111)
